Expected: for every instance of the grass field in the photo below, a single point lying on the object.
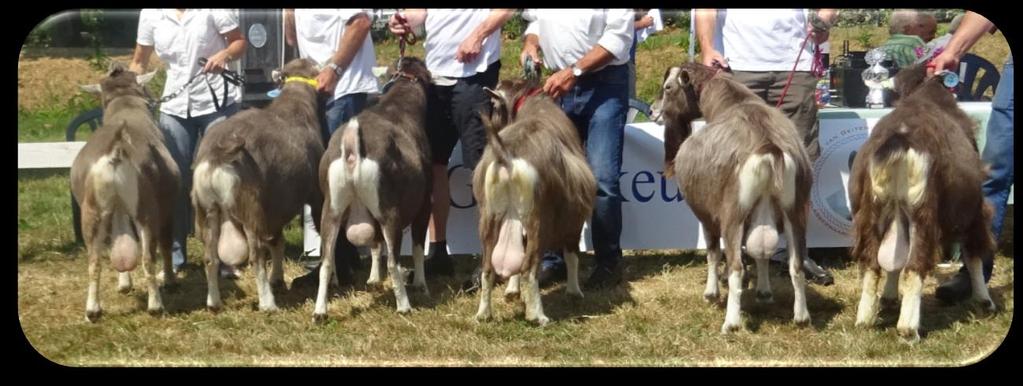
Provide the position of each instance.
(658, 318)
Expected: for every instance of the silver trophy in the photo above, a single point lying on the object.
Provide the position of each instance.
(874, 78)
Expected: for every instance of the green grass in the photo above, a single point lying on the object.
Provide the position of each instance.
(659, 318)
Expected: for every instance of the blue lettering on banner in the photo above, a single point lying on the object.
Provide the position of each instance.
(635, 186)
(664, 190)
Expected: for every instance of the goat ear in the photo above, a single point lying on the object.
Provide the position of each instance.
(145, 78)
(684, 77)
(95, 89)
(495, 97)
(276, 75)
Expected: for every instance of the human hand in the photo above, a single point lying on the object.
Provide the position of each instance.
(216, 63)
(326, 80)
(559, 83)
(529, 51)
(946, 60)
(469, 49)
(712, 58)
(397, 25)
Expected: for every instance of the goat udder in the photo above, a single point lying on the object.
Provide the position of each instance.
(232, 247)
(124, 253)
(509, 253)
(894, 251)
(359, 229)
(763, 236)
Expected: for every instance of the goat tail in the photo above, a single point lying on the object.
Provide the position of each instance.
(898, 180)
(115, 188)
(493, 128)
(762, 177)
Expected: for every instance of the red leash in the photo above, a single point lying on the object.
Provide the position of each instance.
(522, 99)
(405, 39)
(816, 68)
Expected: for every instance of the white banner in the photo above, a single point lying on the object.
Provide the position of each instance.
(654, 213)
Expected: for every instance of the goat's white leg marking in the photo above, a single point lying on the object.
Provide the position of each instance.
(866, 313)
(330, 231)
(980, 291)
(572, 263)
(713, 260)
(375, 271)
(511, 291)
(531, 296)
(212, 239)
(259, 251)
(764, 294)
(155, 303)
(890, 295)
(733, 320)
(419, 282)
(124, 282)
(94, 245)
(800, 313)
(909, 315)
(277, 264)
(393, 249)
(486, 286)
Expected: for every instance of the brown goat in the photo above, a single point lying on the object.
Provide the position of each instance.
(916, 189)
(253, 173)
(124, 179)
(535, 191)
(375, 176)
(746, 175)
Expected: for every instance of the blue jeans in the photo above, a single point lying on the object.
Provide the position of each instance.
(182, 136)
(998, 153)
(597, 105)
(340, 110)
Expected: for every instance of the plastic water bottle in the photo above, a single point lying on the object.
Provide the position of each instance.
(823, 92)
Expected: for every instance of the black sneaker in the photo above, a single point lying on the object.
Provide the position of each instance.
(603, 277)
(956, 289)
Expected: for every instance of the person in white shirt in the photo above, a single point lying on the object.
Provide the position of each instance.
(762, 46)
(647, 23)
(588, 50)
(180, 37)
(339, 41)
(463, 52)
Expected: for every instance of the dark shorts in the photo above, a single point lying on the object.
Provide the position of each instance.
(453, 114)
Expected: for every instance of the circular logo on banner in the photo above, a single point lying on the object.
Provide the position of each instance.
(829, 195)
(257, 35)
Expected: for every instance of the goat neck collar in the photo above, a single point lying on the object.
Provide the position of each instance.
(403, 74)
(302, 79)
(522, 99)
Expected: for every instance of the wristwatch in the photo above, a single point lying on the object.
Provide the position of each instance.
(576, 71)
(336, 68)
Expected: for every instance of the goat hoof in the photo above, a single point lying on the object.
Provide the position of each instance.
(405, 310)
(710, 297)
(541, 320)
(802, 322)
(765, 297)
(728, 328)
(482, 317)
(865, 323)
(278, 286)
(93, 316)
(987, 304)
(910, 336)
(216, 308)
(156, 311)
(576, 293)
(319, 319)
(269, 308)
(124, 290)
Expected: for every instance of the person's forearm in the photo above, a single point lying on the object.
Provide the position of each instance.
(351, 41)
(596, 58)
(492, 23)
(706, 23)
(970, 30)
(236, 44)
(289, 27)
(140, 59)
(644, 22)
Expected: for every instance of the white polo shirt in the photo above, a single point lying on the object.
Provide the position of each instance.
(318, 32)
(446, 29)
(180, 44)
(765, 39)
(566, 35)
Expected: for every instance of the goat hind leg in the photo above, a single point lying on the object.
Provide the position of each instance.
(485, 311)
(795, 233)
(258, 249)
(393, 239)
(710, 294)
(329, 230)
(531, 296)
(155, 303)
(733, 319)
(277, 263)
(96, 232)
